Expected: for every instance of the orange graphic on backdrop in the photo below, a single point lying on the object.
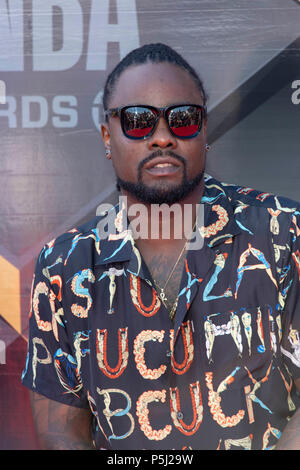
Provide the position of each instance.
(10, 294)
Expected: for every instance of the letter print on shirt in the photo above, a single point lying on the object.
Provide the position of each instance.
(195, 393)
(188, 345)
(112, 273)
(139, 352)
(242, 267)
(80, 291)
(232, 327)
(108, 413)
(67, 372)
(219, 263)
(80, 337)
(214, 402)
(135, 292)
(101, 346)
(143, 414)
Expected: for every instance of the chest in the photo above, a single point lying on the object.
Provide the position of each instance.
(166, 270)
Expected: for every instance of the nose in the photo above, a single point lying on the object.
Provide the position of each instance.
(162, 136)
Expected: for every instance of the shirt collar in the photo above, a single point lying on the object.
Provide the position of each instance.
(118, 245)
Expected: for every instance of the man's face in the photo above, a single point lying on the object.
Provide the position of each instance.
(161, 168)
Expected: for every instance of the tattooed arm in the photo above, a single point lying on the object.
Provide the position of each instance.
(59, 426)
(290, 438)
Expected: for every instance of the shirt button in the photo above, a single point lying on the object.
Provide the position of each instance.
(179, 415)
(169, 353)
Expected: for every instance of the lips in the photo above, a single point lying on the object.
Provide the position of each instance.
(162, 166)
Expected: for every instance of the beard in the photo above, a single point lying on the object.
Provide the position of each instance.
(168, 194)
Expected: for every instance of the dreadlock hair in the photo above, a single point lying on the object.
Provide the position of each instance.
(155, 53)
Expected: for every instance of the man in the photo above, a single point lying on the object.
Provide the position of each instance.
(141, 342)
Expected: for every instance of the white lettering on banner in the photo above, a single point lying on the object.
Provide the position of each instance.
(97, 105)
(11, 36)
(125, 32)
(2, 92)
(296, 95)
(2, 352)
(44, 57)
(10, 111)
(69, 112)
(41, 121)
(63, 108)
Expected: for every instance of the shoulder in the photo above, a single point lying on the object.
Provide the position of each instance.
(260, 199)
(247, 196)
(66, 244)
(258, 212)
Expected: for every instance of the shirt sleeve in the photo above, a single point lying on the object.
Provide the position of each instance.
(290, 298)
(51, 368)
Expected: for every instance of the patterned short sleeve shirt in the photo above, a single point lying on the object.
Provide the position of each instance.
(221, 376)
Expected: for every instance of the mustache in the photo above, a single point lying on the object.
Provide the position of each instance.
(160, 153)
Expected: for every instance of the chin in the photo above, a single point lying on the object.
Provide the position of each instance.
(162, 194)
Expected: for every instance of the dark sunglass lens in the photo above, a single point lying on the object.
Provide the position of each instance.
(138, 122)
(185, 121)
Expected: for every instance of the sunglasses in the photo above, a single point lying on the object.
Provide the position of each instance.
(139, 121)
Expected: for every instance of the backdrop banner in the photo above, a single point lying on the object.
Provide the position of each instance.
(54, 59)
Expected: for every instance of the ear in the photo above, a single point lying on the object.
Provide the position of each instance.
(105, 134)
